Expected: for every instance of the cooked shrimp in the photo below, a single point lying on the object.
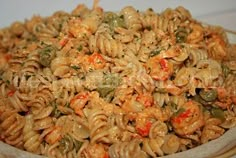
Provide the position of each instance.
(54, 135)
(94, 61)
(142, 119)
(83, 28)
(78, 102)
(160, 68)
(197, 33)
(4, 58)
(217, 47)
(188, 119)
(146, 99)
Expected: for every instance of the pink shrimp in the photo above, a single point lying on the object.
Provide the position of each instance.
(54, 136)
(188, 119)
(79, 101)
(160, 68)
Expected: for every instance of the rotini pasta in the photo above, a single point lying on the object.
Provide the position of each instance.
(99, 84)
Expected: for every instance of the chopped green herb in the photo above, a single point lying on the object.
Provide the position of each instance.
(37, 29)
(122, 16)
(173, 106)
(55, 113)
(155, 52)
(27, 76)
(180, 111)
(225, 70)
(8, 82)
(80, 48)
(67, 104)
(75, 67)
(149, 28)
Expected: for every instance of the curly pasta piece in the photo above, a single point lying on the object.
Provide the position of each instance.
(131, 17)
(158, 128)
(31, 137)
(40, 100)
(42, 119)
(126, 150)
(17, 101)
(196, 55)
(230, 85)
(107, 46)
(148, 42)
(171, 144)
(211, 130)
(11, 125)
(152, 146)
(60, 67)
(98, 126)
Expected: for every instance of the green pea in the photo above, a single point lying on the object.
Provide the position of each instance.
(208, 95)
(197, 98)
(181, 35)
(104, 91)
(114, 20)
(218, 113)
(107, 88)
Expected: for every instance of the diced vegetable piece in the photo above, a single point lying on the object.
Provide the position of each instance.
(104, 91)
(181, 35)
(145, 130)
(218, 113)
(46, 55)
(113, 20)
(199, 99)
(209, 95)
(75, 67)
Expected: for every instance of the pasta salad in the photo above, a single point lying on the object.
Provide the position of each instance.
(99, 84)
